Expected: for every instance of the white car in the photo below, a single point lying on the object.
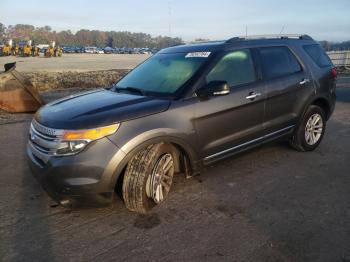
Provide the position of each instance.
(91, 49)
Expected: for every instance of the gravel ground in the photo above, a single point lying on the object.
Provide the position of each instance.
(74, 62)
(269, 204)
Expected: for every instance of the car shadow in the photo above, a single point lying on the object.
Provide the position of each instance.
(33, 238)
(343, 94)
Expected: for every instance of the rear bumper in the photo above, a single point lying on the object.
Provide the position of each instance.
(333, 99)
(80, 180)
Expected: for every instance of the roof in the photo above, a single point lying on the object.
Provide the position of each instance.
(237, 41)
(201, 47)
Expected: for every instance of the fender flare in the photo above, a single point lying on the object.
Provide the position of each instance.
(119, 161)
(312, 101)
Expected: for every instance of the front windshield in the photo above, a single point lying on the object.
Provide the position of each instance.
(163, 73)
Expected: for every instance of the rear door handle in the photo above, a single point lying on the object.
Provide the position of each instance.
(304, 81)
(252, 95)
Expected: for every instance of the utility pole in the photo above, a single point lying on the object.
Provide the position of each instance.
(169, 13)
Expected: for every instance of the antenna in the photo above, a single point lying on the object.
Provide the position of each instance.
(282, 29)
(246, 31)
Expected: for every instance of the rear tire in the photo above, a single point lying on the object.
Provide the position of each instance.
(146, 183)
(309, 133)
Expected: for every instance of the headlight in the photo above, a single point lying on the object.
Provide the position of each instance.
(74, 141)
(71, 147)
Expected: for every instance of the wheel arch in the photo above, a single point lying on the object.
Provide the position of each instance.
(320, 101)
(324, 104)
(182, 149)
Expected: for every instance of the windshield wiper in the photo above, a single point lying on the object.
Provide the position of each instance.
(130, 89)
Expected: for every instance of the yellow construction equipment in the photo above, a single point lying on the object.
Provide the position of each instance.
(27, 49)
(7, 49)
(58, 52)
(17, 94)
(50, 51)
(35, 51)
(15, 50)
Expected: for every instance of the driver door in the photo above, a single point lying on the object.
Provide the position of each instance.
(228, 123)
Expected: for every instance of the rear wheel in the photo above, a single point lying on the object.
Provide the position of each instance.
(310, 131)
(148, 177)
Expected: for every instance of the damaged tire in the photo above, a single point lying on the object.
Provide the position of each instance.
(310, 131)
(148, 177)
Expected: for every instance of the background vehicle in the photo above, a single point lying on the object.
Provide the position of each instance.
(185, 107)
(108, 50)
(99, 51)
(90, 49)
(68, 49)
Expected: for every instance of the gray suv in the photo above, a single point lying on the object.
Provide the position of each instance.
(185, 107)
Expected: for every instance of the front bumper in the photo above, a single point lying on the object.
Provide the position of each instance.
(79, 180)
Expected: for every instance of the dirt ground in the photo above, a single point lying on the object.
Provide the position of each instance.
(74, 62)
(45, 81)
(269, 204)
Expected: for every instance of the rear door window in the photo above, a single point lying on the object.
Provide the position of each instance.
(278, 61)
(236, 68)
(317, 55)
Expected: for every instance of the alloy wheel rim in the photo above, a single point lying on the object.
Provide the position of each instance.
(313, 129)
(159, 182)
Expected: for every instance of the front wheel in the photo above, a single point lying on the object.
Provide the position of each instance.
(148, 177)
(310, 131)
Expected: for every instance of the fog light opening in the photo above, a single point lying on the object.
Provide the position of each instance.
(65, 203)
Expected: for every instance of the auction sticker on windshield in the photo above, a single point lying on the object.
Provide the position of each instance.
(198, 54)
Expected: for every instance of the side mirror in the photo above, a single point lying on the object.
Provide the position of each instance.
(214, 88)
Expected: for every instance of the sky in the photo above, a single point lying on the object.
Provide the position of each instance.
(191, 19)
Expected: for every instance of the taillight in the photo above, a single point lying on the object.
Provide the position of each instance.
(334, 72)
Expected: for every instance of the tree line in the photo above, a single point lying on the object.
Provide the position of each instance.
(84, 37)
(329, 46)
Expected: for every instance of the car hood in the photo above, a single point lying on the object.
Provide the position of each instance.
(97, 108)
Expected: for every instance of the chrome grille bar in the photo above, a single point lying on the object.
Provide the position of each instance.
(46, 130)
(44, 140)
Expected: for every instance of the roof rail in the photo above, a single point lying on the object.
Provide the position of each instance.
(205, 41)
(275, 36)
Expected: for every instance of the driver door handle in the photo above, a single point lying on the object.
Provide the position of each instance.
(304, 81)
(252, 95)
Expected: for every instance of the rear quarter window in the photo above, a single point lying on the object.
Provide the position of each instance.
(278, 61)
(318, 55)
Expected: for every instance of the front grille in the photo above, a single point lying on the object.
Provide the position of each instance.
(46, 130)
(43, 139)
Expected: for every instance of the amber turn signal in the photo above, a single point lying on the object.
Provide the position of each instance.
(90, 134)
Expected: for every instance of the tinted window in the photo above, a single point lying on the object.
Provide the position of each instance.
(236, 68)
(318, 55)
(163, 73)
(278, 61)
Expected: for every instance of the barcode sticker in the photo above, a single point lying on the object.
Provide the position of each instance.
(198, 54)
